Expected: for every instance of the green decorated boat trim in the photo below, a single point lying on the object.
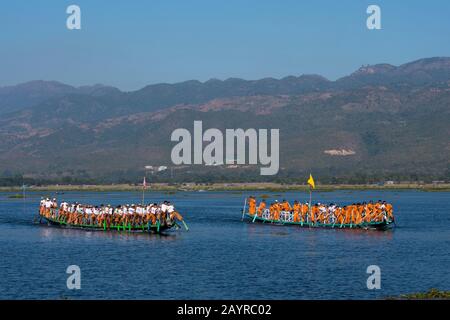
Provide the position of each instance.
(104, 227)
(321, 225)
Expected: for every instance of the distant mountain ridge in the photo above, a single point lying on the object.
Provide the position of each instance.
(381, 120)
(153, 97)
(429, 71)
(28, 94)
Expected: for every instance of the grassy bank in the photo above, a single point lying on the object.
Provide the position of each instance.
(270, 187)
(428, 295)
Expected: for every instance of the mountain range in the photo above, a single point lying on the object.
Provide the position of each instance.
(380, 122)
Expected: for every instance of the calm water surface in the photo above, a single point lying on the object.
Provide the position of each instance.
(224, 258)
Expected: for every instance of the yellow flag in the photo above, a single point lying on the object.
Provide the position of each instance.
(311, 182)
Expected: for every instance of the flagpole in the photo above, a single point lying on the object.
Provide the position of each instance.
(310, 200)
(143, 190)
(311, 186)
(310, 197)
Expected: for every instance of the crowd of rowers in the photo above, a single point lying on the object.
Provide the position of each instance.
(109, 216)
(357, 213)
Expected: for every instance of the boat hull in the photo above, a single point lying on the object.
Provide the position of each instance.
(135, 229)
(383, 225)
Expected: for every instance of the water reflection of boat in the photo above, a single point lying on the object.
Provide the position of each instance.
(285, 220)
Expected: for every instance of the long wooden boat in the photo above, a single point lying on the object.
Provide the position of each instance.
(382, 225)
(145, 228)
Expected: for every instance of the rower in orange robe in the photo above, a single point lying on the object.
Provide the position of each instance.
(376, 215)
(276, 211)
(371, 210)
(347, 214)
(358, 214)
(339, 215)
(364, 212)
(322, 214)
(251, 205)
(390, 211)
(368, 212)
(296, 209)
(271, 211)
(304, 210)
(261, 207)
(314, 213)
(285, 206)
(353, 213)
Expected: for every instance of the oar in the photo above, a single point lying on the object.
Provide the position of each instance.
(380, 214)
(185, 225)
(335, 219)
(243, 210)
(254, 218)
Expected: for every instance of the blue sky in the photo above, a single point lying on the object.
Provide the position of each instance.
(130, 44)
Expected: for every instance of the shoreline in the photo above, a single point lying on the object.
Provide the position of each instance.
(268, 187)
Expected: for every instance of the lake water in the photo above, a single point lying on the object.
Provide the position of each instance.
(221, 257)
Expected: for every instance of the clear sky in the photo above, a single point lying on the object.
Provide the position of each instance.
(130, 44)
